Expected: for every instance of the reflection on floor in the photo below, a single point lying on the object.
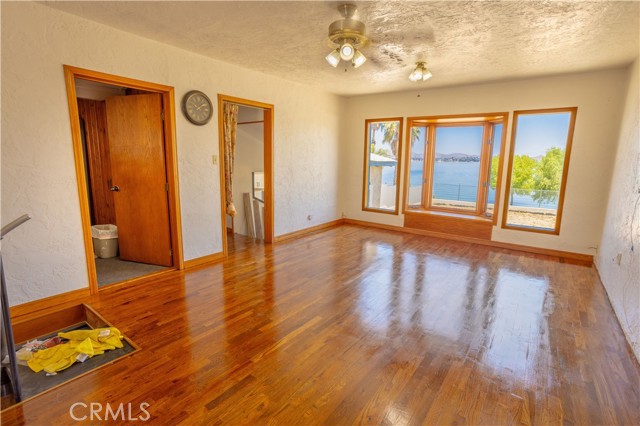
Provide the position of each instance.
(114, 270)
(355, 325)
(239, 242)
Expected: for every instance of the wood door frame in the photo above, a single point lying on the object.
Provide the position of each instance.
(171, 157)
(268, 165)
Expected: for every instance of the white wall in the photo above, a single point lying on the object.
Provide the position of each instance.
(46, 256)
(249, 158)
(598, 96)
(621, 232)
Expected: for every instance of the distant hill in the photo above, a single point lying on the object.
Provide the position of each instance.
(457, 157)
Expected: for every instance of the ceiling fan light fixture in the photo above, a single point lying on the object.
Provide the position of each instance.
(358, 59)
(416, 75)
(333, 58)
(421, 73)
(347, 37)
(347, 51)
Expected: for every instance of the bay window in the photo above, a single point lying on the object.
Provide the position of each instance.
(454, 164)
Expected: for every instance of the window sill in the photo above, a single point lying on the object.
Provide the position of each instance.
(525, 228)
(374, 210)
(462, 216)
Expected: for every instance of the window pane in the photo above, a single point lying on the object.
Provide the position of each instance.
(457, 167)
(538, 164)
(496, 142)
(416, 166)
(382, 161)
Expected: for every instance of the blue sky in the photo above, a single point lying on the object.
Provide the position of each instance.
(536, 133)
(465, 140)
(450, 140)
(497, 139)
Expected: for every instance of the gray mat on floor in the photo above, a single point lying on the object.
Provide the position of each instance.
(114, 270)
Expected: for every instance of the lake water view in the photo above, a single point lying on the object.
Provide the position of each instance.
(453, 180)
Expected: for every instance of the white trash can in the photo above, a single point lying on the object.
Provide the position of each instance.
(105, 240)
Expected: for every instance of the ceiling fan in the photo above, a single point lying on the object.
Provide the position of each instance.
(347, 37)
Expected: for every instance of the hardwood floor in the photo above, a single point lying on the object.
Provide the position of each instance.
(355, 325)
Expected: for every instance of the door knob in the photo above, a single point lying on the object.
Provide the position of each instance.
(115, 188)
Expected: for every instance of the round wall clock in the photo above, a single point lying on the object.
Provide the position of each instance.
(197, 107)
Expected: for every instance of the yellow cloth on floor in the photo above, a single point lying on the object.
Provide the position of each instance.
(87, 342)
(59, 357)
(102, 338)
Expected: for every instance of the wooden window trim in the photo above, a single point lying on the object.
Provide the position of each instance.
(503, 142)
(407, 169)
(485, 169)
(514, 127)
(429, 166)
(365, 171)
(458, 120)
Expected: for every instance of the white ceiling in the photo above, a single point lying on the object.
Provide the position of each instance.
(462, 42)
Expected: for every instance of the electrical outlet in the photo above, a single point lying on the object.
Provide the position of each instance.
(618, 258)
(214, 160)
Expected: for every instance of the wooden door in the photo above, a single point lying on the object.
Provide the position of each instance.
(136, 148)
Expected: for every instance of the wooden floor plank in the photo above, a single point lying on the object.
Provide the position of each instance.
(363, 326)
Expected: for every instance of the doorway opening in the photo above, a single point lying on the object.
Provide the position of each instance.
(124, 146)
(246, 178)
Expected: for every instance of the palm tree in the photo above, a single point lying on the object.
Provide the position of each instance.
(389, 130)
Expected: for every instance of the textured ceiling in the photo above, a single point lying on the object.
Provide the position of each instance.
(462, 42)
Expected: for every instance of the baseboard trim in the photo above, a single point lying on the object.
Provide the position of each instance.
(305, 231)
(204, 260)
(587, 258)
(51, 303)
